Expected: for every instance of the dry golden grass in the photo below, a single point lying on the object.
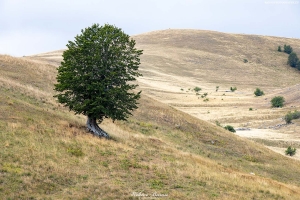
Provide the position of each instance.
(47, 153)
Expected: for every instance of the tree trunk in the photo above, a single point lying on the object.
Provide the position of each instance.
(93, 127)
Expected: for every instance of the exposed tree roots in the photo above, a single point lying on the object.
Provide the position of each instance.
(93, 127)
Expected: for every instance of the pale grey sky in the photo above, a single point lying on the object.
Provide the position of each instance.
(35, 26)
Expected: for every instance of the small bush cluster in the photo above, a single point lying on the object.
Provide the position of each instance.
(258, 92)
(233, 89)
(293, 59)
(287, 49)
(230, 128)
(290, 151)
(197, 89)
(204, 95)
(277, 102)
(291, 115)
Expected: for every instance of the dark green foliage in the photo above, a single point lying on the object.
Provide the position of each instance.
(250, 109)
(287, 49)
(217, 88)
(277, 101)
(298, 65)
(95, 71)
(293, 59)
(258, 92)
(291, 115)
(245, 60)
(204, 95)
(290, 151)
(233, 89)
(197, 89)
(279, 48)
(230, 128)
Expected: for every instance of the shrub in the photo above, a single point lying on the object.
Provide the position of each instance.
(293, 59)
(217, 88)
(233, 89)
(291, 115)
(250, 109)
(230, 128)
(204, 95)
(290, 151)
(288, 118)
(245, 60)
(258, 92)
(287, 49)
(197, 89)
(279, 48)
(277, 101)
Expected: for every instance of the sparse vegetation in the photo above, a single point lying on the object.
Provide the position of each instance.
(250, 109)
(206, 100)
(290, 151)
(245, 60)
(197, 89)
(230, 128)
(291, 115)
(279, 49)
(204, 95)
(293, 60)
(218, 123)
(233, 89)
(258, 92)
(217, 88)
(287, 49)
(277, 102)
(158, 149)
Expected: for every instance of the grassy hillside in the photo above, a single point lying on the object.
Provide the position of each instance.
(176, 61)
(218, 58)
(46, 152)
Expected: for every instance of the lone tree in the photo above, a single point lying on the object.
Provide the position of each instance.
(96, 74)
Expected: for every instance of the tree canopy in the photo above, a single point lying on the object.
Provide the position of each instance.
(96, 75)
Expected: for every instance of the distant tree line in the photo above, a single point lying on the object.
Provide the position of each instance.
(293, 59)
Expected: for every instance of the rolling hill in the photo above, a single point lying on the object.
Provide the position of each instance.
(169, 146)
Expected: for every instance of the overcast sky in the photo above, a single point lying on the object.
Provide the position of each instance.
(34, 26)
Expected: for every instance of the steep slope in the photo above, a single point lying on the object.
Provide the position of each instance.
(46, 152)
